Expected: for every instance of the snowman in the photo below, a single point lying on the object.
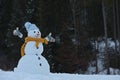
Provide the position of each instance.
(32, 61)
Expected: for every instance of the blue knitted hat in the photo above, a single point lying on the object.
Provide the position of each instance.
(29, 26)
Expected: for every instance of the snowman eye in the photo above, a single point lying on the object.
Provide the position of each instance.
(38, 32)
(34, 31)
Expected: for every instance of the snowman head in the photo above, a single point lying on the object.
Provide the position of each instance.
(33, 30)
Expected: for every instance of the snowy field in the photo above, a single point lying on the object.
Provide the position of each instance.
(24, 76)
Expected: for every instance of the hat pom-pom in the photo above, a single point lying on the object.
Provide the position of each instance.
(27, 25)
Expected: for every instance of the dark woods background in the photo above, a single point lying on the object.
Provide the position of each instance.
(73, 24)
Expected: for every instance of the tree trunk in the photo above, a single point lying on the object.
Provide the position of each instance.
(115, 26)
(117, 13)
(105, 32)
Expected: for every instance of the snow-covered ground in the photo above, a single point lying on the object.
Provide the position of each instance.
(24, 76)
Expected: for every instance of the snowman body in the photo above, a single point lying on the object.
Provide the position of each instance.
(33, 61)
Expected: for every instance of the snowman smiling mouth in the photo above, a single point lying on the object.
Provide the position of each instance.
(37, 35)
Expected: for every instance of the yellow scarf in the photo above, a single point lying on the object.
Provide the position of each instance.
(37, 40)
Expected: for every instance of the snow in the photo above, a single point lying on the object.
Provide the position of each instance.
(100, 44)
(10, 75)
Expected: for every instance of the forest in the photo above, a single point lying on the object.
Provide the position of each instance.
(87, 33)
